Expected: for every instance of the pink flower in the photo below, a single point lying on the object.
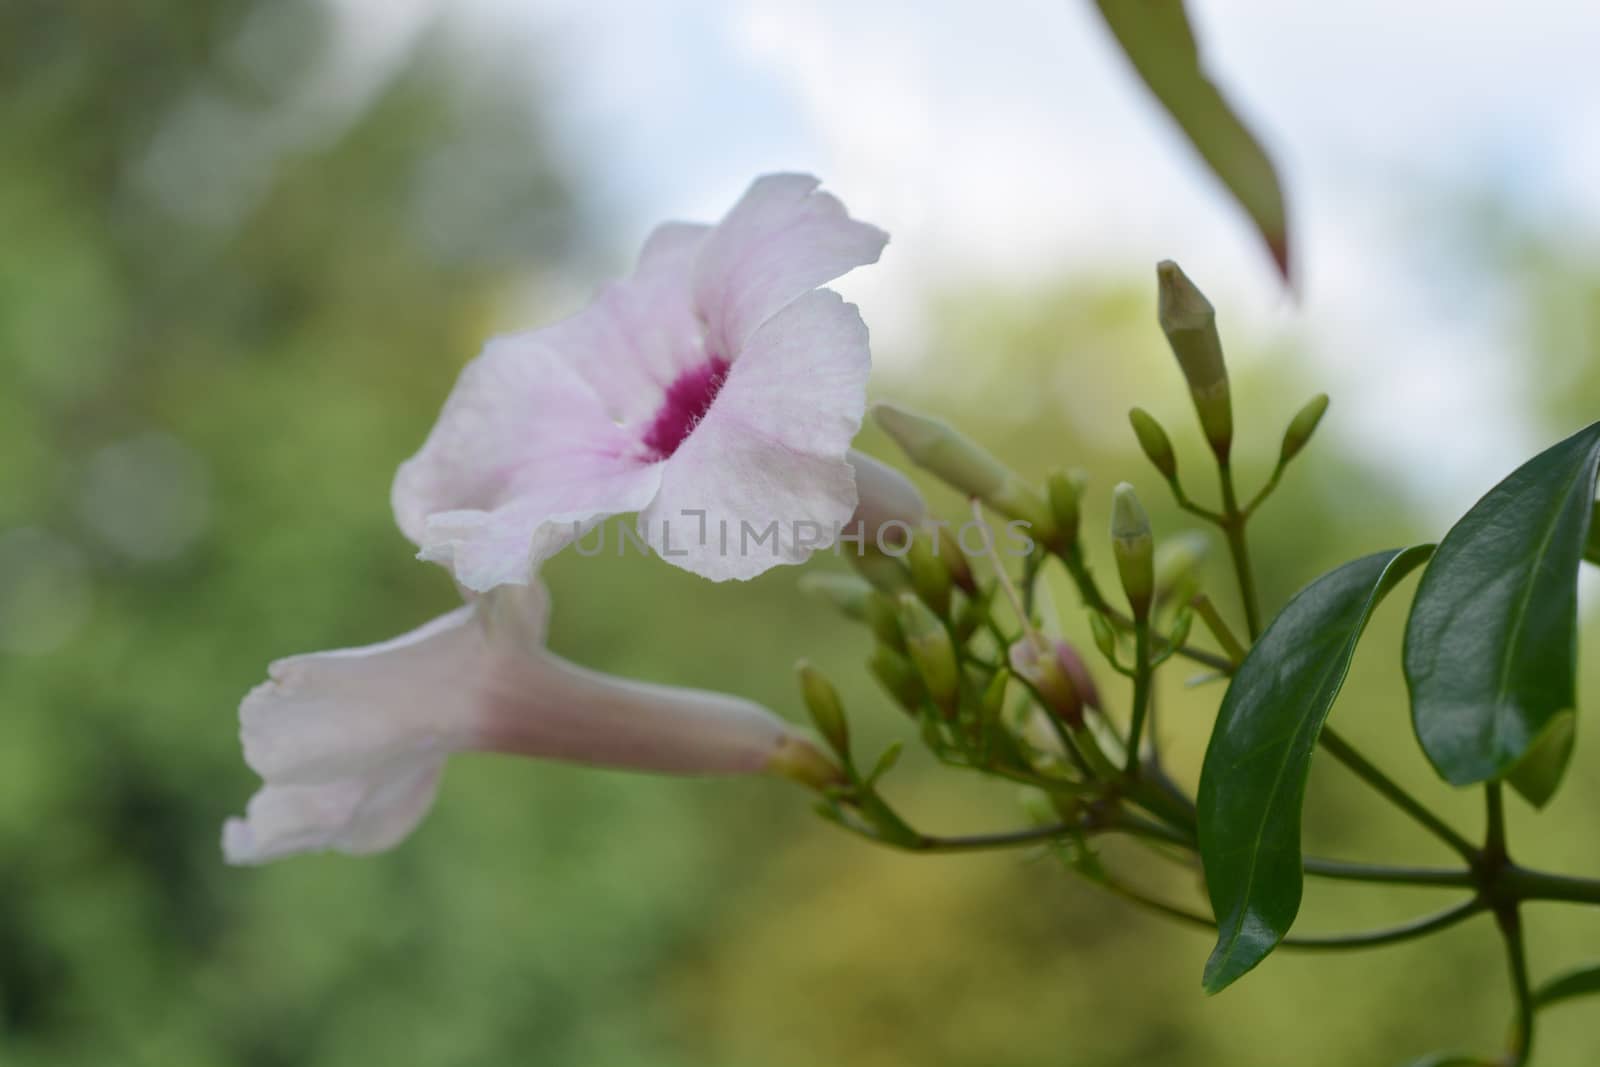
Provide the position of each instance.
(350, 744)
(714, 392)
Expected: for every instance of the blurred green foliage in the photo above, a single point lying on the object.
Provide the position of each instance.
(232, 297)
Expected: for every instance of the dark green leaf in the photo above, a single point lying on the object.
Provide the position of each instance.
(1583, 982)
(1253, 782)
(1449, 1059)
(1156, 37)
(1491, 649)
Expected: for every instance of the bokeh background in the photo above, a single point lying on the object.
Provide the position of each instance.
(246, 246)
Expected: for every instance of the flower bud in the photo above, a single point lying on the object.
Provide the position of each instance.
(1155, 443)
(1178, 563)
(954, 459)
(993, 705)
(1190, 323)
(929, 575)
(928, 643)
(1134, 547)
(1078, 671)
(971, 617)
(827, 712)
(955, 560)
(1302, 426)
(1041, 667)
(885, 572)
(845, 592)
(800, 761)
(884, 621)
(1066, 491)
(1181, 626)
(888, 506)
(1105, 638)
(898, 678)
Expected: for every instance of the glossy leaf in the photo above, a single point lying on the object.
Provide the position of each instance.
(1253, 782)
(1491, 651)
(1157, 39)
(1583, 982)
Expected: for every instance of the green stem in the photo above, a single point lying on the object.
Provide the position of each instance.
(1494, 840)
(1233, 528)
(1523, 884)
(1335, 870)
(1189, 505)
(1141, 695)
(1209, 615)
(1266, 490)
(1391, 935)
(1510, 923)
(1094, 600)
(1407, 931)
(925, 843)
(1338, 870)
(1341, 750)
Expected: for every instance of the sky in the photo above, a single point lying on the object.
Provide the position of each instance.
(1007, 140)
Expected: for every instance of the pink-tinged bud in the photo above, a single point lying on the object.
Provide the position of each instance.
(1043, 667)
(888, 506)
(350, 744)
(1078, 671)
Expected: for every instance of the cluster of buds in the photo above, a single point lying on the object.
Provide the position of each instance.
(987, 686)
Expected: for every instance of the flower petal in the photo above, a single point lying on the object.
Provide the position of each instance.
(641, 333)
(523, 449)
(782, 239)
(326, 716)
(770, 452)
(485, 549)
(355, 815)
(350, 744)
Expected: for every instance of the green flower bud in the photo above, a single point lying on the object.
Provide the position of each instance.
(955, 559)
(1190, 323)
(930, 577)
(1065, 489)
(971, 617)
(1178, 563)
(898, 677)
(886, 573)
(1105, 638)
(800, 761)
(845, 592)
(994, 699)
(931, 650)
(827, 712)
(1302, 426)
(956, 460)
(1180, 628)
(884, 621)
(1134, 547)
(1154, 441)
